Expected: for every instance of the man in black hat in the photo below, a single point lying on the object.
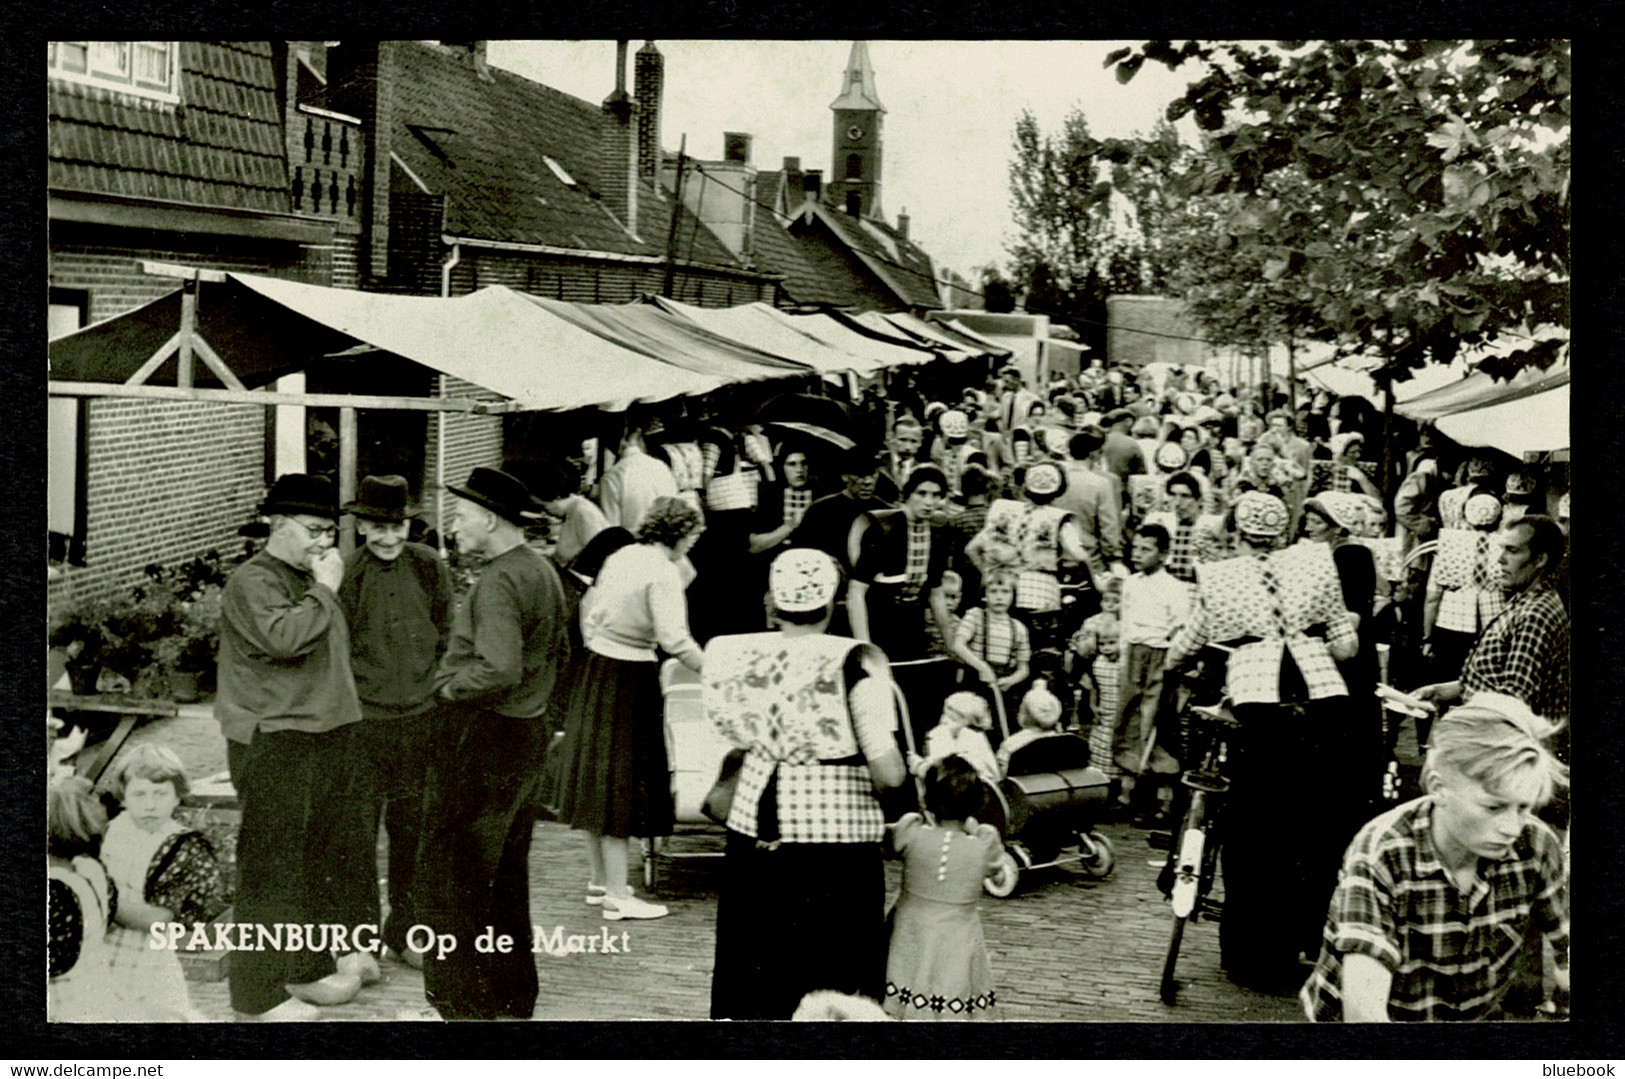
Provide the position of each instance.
(397, 600)
(287, 705)
(507, 648)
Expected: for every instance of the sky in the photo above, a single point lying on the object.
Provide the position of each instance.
(951, 109)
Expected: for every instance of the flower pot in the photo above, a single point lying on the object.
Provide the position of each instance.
(82, 679)
(183, 687)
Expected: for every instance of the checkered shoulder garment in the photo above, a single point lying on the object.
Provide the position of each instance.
(1451, 953)
(1276, 598)
(786, 702)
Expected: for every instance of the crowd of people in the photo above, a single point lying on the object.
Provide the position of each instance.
(1071, 555)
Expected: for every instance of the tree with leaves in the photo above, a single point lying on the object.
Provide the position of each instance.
(1437, 174)
(1077, 203)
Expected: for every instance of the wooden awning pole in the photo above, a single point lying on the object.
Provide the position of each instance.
(183, 371)
(347, 477)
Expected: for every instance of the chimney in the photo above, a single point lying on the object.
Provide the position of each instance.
(812, 184)
(618, 149)
(648, 84)
(476, 56)
(360, 78)
(902, 223)
(736, 147)
(793, 190)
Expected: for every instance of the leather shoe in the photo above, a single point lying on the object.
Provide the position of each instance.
(362, 965)
(409, 957)
(333, 989)
(291, 1010)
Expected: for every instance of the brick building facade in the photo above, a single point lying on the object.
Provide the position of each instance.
(182, 153)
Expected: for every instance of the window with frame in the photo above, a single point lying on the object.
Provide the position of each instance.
(854, 167)
(65, 443)
(148, 69)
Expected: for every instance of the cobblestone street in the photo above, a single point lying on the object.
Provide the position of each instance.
(1064, 947)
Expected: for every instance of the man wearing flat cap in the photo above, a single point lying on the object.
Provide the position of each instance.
(507, 648)
(287, 705)
(397, 600)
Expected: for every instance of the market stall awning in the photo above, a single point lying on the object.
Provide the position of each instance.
(1538, 423)
(754, 324)
(880, 327)
(671, 338)
(940, 335)
(495, 338)
(830, 331)
(974, 339)
(1478, 390)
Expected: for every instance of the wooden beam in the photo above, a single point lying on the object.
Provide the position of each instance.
(185, 273)
(66, 388)
(183, 365)
(348, 453)
(212, 360)
(146, 370)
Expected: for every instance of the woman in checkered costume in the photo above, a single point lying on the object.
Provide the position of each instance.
(803, 898)
(1283, 611)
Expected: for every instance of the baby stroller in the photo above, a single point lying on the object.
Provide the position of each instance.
(695, 753)
(1049, 801)
(1054, 797)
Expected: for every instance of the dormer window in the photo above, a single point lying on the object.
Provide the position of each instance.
(149, 69)
(558, 170)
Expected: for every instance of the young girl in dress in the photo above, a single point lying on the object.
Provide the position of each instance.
(1099, 643)
(164, 872)
(937, 967)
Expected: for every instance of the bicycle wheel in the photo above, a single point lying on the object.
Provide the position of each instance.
(1170, 987)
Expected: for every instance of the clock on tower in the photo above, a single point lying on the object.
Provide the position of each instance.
(854, 133)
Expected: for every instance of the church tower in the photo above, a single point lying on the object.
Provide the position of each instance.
(855, 162)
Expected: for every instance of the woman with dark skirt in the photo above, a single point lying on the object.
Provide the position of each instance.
(1334, 519)
(615, 781)
(896, 586)
(803, 898)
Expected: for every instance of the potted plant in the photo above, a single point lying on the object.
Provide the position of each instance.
(187, 656)
(80, 636)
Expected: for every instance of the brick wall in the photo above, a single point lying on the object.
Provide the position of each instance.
(164, 480)
(470, 441)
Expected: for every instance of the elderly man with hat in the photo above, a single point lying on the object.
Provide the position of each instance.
(803, 897)
(1282, 611)
(507, 648)
(287, 705)
(397, 600)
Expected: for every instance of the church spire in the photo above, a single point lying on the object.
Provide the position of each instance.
(858, 84)
(855, 163)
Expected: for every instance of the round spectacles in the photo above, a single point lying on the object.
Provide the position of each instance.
(317, 531)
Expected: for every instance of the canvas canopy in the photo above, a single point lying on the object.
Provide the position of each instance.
(830, 331)
(754, 324)
(495, 338)
(876, 325)
(940, 336)
(665, 336)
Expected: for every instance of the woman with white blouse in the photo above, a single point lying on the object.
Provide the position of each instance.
(615, 780)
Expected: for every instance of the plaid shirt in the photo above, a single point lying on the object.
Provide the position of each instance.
(1525, 653)
(1003, 642)
(1274, 597)
(1451, 953)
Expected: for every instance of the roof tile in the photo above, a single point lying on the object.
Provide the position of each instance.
(495, 135)
(220, 146)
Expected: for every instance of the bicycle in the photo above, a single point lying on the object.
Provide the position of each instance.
(1194, 857)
